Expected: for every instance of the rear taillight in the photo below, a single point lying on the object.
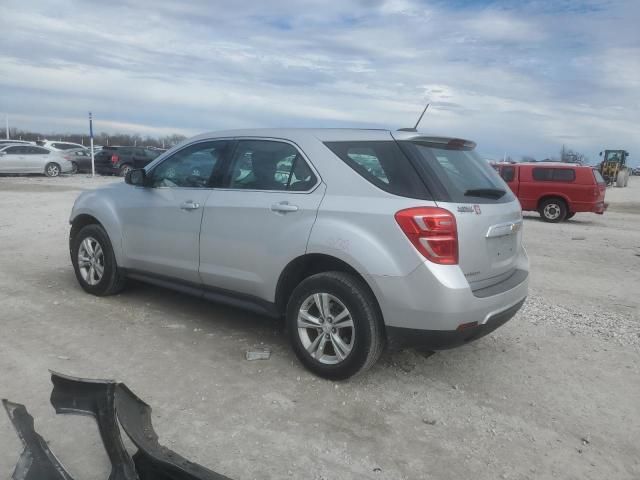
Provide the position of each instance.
(114, 158)
(432, 231)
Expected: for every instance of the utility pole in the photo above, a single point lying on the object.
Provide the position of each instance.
(7, 125)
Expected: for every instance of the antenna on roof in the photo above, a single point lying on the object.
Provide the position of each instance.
(415, 128)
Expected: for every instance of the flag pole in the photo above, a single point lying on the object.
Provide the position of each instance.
(93, 163)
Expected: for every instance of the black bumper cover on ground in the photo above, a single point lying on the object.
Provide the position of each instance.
(112, 404)
(398, 337)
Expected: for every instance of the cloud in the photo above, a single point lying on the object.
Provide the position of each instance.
(521, 78)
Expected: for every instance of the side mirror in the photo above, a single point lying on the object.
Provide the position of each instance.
(137, 177)
(600, 153)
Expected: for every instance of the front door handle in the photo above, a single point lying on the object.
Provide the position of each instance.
(284, 207)
(190, 205)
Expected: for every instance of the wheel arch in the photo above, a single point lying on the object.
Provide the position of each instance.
(310, 264)
(106, 218)
(548, 196)
(81, 221)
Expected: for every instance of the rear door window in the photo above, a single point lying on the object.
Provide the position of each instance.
(383, 164)
(37, 151)
(270, 165)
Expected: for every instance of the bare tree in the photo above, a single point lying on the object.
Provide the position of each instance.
(102, 138)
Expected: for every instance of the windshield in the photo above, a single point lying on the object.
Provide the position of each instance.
(459, 175)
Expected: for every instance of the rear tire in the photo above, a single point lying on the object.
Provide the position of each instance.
(92, 253)
(52, 169)
(553, 210)
(353, 341)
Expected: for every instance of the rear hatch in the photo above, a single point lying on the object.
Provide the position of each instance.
(488, 215)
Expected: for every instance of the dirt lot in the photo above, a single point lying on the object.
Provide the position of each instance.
(555, 393)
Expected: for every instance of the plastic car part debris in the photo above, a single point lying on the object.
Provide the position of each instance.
(258, 354)
(95, 398)
(111, 404)
(154, 461)
(36, 462)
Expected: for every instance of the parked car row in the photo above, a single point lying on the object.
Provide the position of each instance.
(54, 158)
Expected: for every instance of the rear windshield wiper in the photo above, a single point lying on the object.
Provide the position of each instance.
(494, 193)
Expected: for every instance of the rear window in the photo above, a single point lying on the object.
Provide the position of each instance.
(598, 176)
(457, 174)
(554, 174)
(64, 146)
(383, 164)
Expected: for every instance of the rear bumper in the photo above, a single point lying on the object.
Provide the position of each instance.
(595, 207)
(398, 337)
(600, 207)
(107, 170)
(437, 298)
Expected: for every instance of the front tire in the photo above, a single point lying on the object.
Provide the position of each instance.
(334, 325)
(569, 215)
(94, 262)
(52, 169)
(553, 210)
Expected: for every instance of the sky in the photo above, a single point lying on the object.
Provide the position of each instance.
(520, 78)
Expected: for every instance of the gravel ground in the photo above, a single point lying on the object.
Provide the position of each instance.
(552, 394)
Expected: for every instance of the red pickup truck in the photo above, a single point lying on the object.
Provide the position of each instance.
(556, 190)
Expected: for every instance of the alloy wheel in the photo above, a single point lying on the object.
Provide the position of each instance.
(325, 328)
(91, 261)
(53, 170)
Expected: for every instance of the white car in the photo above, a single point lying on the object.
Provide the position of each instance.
(13, 142)
(53, 145)
(19, 158)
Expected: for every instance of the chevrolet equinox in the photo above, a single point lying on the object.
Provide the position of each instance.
(360, 239)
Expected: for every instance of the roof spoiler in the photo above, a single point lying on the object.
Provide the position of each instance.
(435, 142)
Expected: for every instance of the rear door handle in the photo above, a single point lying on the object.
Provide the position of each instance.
(284, 207)
(190, 205)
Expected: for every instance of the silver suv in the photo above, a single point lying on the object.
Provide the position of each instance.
(359, 238)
